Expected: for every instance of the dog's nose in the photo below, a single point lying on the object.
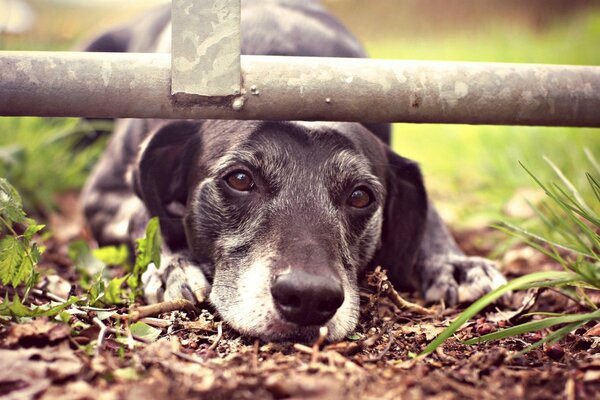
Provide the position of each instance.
(306, 299)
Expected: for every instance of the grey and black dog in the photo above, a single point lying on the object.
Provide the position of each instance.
(275, 220)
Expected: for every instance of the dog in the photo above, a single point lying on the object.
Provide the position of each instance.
(275, 221)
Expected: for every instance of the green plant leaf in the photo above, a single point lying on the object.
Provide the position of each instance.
(145, 331)
(148, 247)
(32, 229)
(84, 260)
(23, 272)
(147, 252)
(16, 308)
(114, 292)
(11, 258)
(112, 255)
(11, 207)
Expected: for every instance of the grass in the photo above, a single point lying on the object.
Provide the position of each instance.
(40, 157)
(572, 239)
(473, 170)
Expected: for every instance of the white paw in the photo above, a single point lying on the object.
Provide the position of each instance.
(177, 278)
(459, 278)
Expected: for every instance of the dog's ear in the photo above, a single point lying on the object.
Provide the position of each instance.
(163, 172)
(404, 219)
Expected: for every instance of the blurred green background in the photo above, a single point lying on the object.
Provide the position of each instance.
(472, 172)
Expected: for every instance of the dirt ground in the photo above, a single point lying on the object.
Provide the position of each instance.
(196, 356)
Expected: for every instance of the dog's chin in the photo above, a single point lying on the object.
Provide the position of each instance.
(279, 330)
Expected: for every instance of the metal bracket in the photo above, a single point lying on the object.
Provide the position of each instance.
(205, 55)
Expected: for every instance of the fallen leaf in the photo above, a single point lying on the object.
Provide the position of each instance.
(594, 331)
(430, 331)
(38, 333)
(34, 370)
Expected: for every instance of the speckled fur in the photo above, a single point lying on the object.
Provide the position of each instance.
(230, 247)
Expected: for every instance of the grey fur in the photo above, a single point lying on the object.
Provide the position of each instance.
(233, 245)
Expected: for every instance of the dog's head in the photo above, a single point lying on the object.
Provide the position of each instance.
(284, 215)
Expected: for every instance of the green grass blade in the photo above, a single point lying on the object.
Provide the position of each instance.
(551, 283)
(579, 199)
(539, 238)
(592, 160)
(534, 326)
(490, 298)
(573, 206)
(594, 184)
(552, 338)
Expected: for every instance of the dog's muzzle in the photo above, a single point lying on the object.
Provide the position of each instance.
(306, 299)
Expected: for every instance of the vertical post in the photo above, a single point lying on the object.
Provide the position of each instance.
(205, 58)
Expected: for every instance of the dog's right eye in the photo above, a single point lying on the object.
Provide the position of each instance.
(240, 181)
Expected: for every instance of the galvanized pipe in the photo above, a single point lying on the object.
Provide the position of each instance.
(296, 88)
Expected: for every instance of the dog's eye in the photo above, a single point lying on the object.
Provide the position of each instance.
(360, 198)
(240, 181)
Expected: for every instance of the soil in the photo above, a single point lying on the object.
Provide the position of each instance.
(197, 356)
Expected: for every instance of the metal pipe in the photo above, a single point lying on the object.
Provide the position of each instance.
(296, 88)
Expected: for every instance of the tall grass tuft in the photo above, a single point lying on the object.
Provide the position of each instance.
(42, 157)
(572, 239)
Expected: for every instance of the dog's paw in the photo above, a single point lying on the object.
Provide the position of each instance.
(458, 278)
(177, 278)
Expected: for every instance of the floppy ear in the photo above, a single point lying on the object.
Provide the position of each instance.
(162, 175)
(404, 219)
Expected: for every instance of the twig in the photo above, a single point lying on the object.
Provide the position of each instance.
(160, 308)
(443, 356)
(130, 342)
(387, 347)
(570, 389)
(255, 356)
(160, 323)
(401, 303)
(323, 331)
(199, 325)
(329, 355)
(187, 357)
(303, 348)
(219, 336)
(48, 295)
(103, 329)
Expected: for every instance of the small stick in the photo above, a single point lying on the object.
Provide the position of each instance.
(159, 323)
(160, 308)
(130, 340)
(384, 351)
(570, 393)
(189, 358)
(219, 336)
(103, 329)
(323, 331)
(255, 356)
(303, 348)
(402, 303)
(48, 295)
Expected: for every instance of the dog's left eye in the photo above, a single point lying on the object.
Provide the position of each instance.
(360, 198)
(240, 181)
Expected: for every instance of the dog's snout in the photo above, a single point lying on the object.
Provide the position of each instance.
(307, 299)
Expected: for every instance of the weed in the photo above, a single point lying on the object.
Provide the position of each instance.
(573, 227)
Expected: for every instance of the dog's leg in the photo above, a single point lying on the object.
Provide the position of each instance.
(109, 203)
(446, 273)
(177, 278)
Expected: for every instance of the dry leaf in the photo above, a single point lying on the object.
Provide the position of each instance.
(38, 333)
(34, 370)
